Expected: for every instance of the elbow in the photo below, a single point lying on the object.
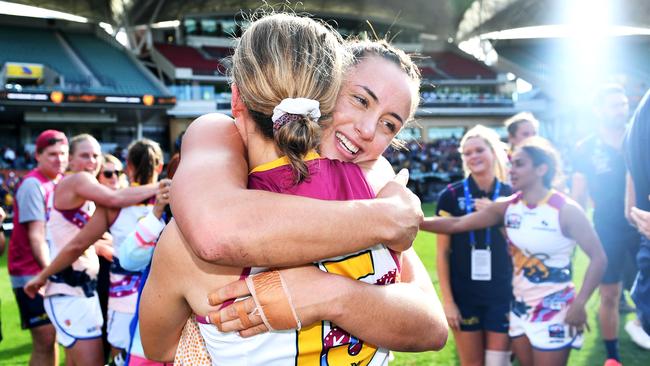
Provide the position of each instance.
(433, 337)
(154, 354)
(212, 243)
(217, 249)
(437, 337)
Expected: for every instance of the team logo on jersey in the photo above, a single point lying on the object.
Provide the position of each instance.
(513, 221)
(461, 203)
(67, 322)
(556, 331)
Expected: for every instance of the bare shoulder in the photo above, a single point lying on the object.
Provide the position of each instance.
(378, 172)
(571, 211)
(209, 130)
(75, 180)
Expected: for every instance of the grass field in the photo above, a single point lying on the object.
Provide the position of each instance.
(16, 347)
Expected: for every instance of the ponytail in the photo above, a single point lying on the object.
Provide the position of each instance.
(295, 139)
(144, 156)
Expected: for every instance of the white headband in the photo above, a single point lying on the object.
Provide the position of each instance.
(300, 106)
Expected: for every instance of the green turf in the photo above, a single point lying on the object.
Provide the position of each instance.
(15, 348)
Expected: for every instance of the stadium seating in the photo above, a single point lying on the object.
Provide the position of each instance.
(41, 46)
(459, 67)
(217, 52)
(190, 57)
(108, 63)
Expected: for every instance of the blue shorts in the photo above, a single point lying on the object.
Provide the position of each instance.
(493, 318)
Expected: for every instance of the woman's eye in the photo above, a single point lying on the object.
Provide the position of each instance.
(390, 125)
(361, 100)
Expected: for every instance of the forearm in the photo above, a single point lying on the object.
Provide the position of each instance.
(443, 276)
(440, 225)
(416, 322)
(132, 195)
(407, 315)
(40, 250)
(592, 278)
(266, 229)
(137, 248)
(64, 259)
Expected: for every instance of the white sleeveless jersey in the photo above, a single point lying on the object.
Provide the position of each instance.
(123, 290)
(541, 253)
(320, 344)
(60, 228)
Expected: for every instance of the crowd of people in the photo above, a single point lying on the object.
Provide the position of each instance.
(304, 266)
(432, 165)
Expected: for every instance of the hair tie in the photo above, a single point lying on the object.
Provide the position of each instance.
(294, 109)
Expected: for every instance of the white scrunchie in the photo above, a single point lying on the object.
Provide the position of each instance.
(301, 106)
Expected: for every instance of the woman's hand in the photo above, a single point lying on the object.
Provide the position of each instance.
(453, 315)
(302, 283)
(576, 318)
(481, 203)
(641, 220)
(162, 197)
(104, 247)
(34, 286)
(406, 209)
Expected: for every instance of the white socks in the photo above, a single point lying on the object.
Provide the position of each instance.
(497, 358)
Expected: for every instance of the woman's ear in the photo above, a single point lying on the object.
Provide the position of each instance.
(541, 170)
(236, 103)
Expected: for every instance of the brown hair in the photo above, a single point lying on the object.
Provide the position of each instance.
(144, 156)
(541, 151)
(284, 56)
(512, 123)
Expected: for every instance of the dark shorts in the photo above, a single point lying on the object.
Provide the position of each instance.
(32, 311)
(620, 251)
(493, 318)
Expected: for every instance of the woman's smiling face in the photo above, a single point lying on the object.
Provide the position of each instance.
(372, 107)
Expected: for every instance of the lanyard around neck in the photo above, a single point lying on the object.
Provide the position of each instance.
(469, 207)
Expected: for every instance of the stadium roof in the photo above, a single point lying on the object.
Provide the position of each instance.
(459, 19)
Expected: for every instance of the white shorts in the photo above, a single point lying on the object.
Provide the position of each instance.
(543, 323)
(118, 327)
(74, 317)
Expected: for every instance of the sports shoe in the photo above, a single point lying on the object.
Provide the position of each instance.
(612, 362)
(638, 335)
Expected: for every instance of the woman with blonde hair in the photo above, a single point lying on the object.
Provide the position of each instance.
(477, 299)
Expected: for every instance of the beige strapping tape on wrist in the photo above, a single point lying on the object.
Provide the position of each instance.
(273, 301)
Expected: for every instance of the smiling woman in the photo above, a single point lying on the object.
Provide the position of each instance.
(371, 109)
(477, 304)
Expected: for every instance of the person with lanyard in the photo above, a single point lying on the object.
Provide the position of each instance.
(477, 299)
(543, 226)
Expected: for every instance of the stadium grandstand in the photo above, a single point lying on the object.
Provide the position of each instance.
(170, 65)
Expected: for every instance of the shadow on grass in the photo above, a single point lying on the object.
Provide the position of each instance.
(15, 352)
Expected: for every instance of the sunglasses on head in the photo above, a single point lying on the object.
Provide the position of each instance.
(108, 174)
